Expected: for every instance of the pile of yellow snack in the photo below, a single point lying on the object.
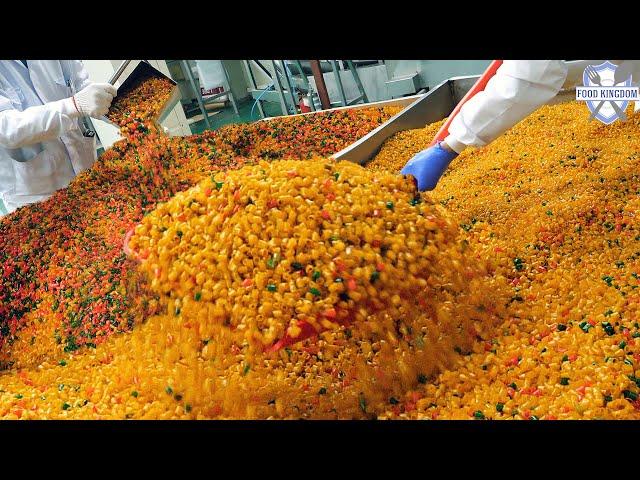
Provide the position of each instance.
(380, 247)
(530, 310)
(282, 247)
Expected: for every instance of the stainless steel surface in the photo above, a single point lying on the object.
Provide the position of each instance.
(431, 107)
(173, 100)
(408, 84)
(461, 85)
(143, 71)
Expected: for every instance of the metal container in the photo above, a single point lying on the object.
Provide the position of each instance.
(142, 72)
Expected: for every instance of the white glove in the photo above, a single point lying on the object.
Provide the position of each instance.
(94, 100)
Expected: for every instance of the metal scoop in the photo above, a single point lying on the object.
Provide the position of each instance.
(143, 71)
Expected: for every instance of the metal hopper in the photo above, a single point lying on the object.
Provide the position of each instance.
(143, 71)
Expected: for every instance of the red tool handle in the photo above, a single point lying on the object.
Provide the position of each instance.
(477, 87)
(308, 331)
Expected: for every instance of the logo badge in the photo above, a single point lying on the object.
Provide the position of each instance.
(607, 89)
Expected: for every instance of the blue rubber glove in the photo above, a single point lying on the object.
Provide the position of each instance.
(428, 166)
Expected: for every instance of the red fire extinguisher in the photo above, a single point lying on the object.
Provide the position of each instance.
(305, 105)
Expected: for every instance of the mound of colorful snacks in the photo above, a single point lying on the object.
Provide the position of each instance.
(289, 248)
(184, 365)
(299, 137)
(176, 367)
(555, 202)
(64, 277)
(534, 306)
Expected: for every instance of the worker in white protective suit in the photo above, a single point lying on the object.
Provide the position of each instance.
(517, 89)
(42, 147)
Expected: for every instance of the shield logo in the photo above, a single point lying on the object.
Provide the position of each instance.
(603, 75)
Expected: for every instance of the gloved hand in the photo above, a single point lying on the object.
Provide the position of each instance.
(95, 99)
(429, 165)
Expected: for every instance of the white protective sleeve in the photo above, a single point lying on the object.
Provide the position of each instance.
(37, 124)
(517, 89)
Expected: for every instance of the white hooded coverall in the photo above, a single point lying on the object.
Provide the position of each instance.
(41, 148)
